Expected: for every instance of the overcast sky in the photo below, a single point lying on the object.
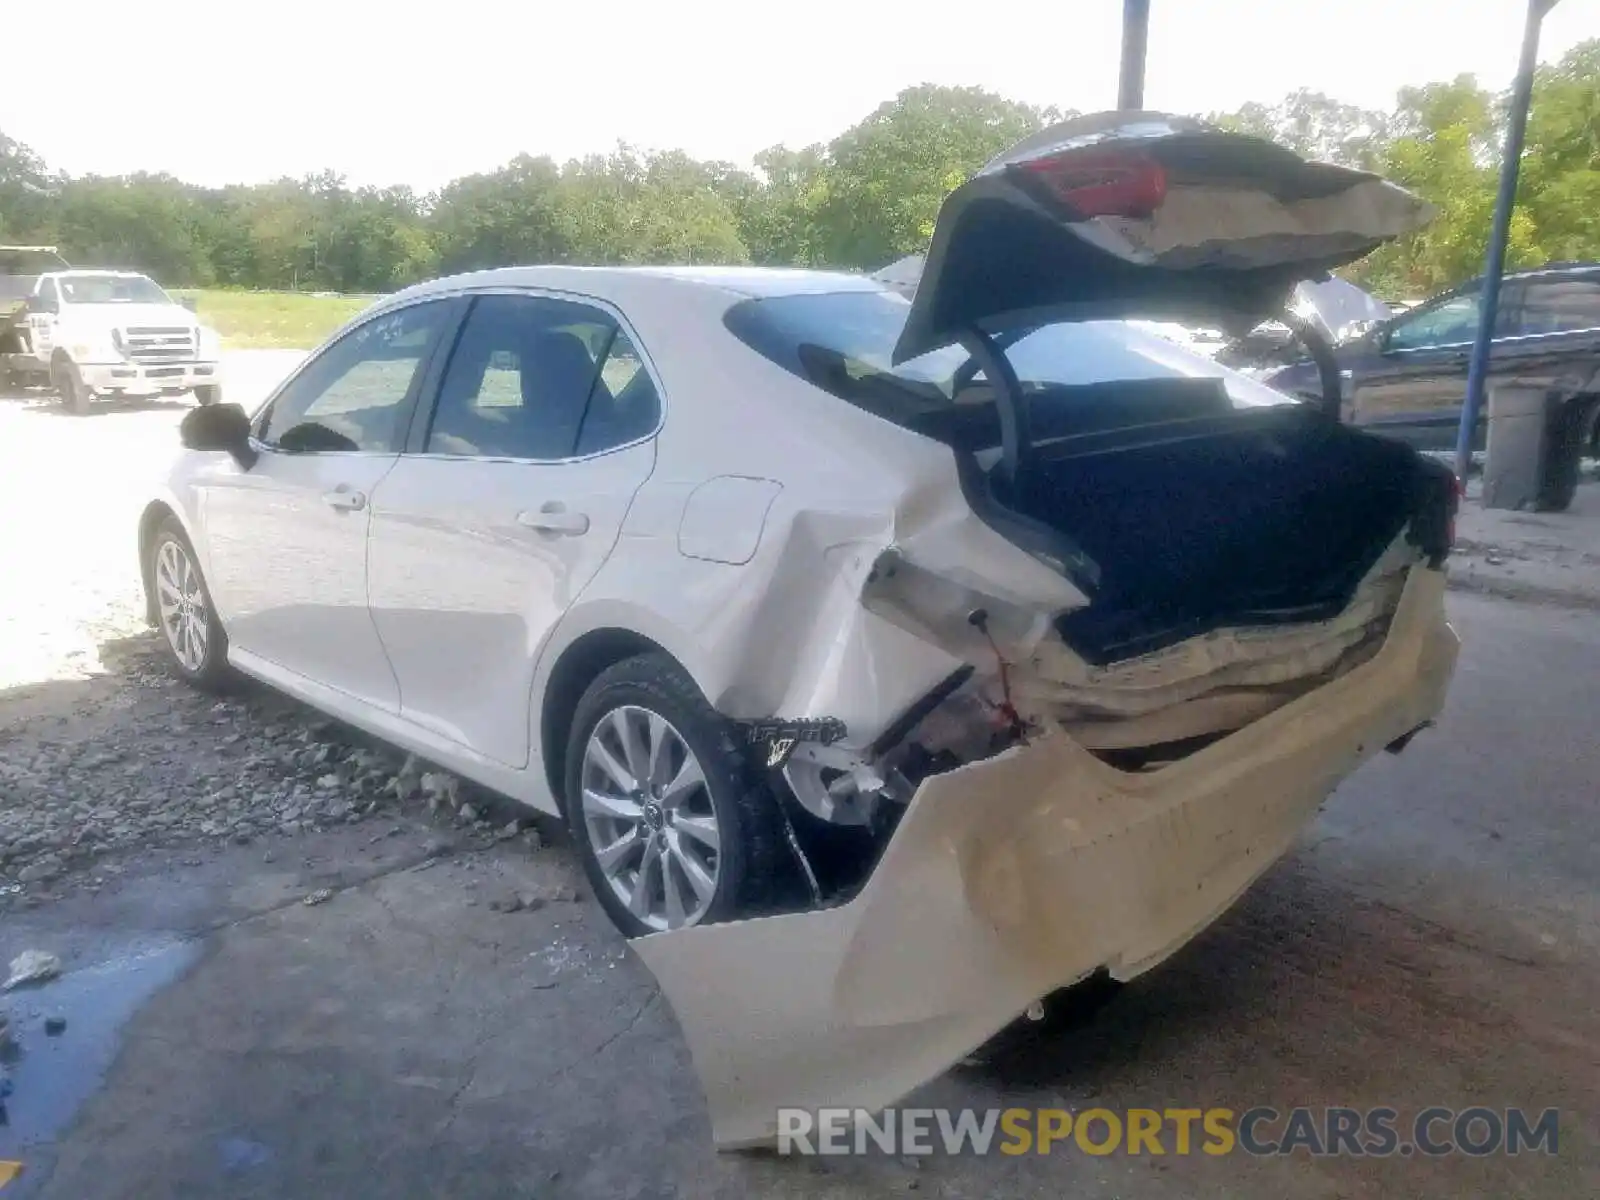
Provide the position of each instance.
(412, 93)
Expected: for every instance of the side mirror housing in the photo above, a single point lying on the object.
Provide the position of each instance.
(189, 302)
(223, 427)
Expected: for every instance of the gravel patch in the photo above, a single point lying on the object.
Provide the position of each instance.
(150, 762)
(102, 752)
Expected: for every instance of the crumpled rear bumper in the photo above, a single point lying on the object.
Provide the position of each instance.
(1015, 876)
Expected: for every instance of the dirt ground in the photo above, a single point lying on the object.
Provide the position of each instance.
(456, 1018)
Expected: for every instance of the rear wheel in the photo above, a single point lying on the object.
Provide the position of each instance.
(208, 393)
(672, 829)
(197, 647)
(69, 385)
(1568, 445)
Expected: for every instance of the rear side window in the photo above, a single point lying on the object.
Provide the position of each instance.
(1560, 305)
(843, 343)
(537, 378)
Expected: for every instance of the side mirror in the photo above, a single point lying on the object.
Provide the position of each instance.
(222, 427)
(190, 302)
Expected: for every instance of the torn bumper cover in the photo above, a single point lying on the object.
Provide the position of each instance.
(1014, 876)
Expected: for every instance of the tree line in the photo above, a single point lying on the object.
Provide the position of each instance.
(860, 201)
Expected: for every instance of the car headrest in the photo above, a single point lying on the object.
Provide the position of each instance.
(555, 364)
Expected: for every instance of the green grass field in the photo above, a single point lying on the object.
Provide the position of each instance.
(273, 319)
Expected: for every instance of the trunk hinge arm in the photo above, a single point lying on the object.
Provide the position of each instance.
(1016, 440)
(1321, 351)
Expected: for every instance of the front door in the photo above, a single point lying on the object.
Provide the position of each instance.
(1414, 382)
(512, 500)
(286, 540)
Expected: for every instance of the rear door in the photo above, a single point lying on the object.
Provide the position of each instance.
(509, 498)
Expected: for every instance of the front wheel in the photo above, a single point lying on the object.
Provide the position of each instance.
(207, 394)
(68, 381)
(672, 829)
(197, 647)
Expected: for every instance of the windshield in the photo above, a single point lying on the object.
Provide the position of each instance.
(843, 342)
(111, 289)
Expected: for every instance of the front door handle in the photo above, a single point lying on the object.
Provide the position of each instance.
(553, 517)
(345, 499)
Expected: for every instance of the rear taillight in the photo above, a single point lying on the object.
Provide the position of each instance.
(1097, 183)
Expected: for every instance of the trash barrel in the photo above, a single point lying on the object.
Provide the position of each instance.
(1534, 449)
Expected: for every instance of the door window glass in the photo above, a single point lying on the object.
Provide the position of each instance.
(1450, 323)
(533, 377)
(625, 406)
(352, 397)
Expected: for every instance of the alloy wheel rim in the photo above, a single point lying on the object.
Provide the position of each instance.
(182, 604)
(648, 815)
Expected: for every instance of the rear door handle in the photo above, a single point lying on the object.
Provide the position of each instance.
(345, 499)
(553, 517)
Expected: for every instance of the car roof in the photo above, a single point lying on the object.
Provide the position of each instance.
(1554, 268)
(617, 282)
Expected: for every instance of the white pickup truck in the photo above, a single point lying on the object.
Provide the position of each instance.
(107, 333)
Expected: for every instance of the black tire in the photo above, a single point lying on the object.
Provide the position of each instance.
(68, 382)
(208, 394)
(1565, 464)
(211, 673)
(746, 813)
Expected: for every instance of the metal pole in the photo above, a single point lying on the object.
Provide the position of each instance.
(1499, 234)
(1135, 35)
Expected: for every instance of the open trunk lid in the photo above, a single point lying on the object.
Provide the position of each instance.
(1142, 215)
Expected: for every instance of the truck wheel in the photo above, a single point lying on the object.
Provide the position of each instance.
(1565, 464)
(207, 394)
(69, 385)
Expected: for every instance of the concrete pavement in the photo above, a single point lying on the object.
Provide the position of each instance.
(1549, 557)
(1435, 941)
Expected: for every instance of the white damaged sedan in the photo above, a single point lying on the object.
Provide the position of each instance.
(894, 661)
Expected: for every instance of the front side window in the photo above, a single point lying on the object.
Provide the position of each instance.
(1452, 322)
(532, 377)
(352, 397)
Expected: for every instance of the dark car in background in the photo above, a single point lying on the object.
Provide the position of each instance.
(1407, 376)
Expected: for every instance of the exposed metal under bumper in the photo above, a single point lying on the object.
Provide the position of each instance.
(1011, 877)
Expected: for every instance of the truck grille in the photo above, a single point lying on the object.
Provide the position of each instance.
(149, 344)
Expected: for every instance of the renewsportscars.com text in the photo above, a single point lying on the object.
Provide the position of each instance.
(1261, 1131)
